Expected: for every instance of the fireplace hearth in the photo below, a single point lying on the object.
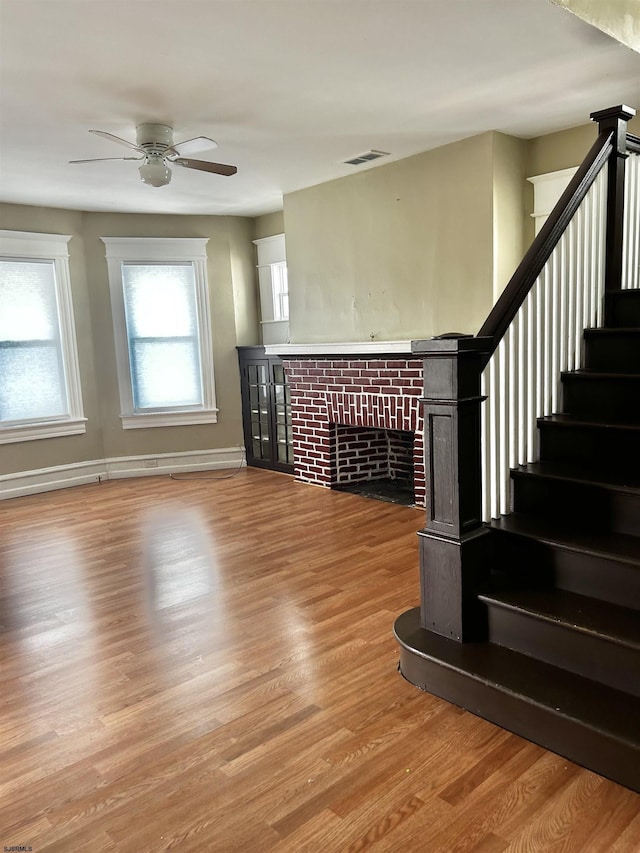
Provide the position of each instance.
(384, 489)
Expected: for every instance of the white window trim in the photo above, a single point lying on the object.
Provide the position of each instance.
(161, 249)
(50, 247)
(271, 253)
(547, 189)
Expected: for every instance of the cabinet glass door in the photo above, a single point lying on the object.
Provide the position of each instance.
(266, 410)
(282, 410)
(258, 385)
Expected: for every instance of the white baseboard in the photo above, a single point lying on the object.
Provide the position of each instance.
(48, 479)
(79, 473)
(174, 463)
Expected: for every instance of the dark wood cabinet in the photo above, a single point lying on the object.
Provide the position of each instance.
(266, 410)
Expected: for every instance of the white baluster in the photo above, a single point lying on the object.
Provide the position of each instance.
(571, 296)
(631, 230)
(512, 410)
(503, 403)
(485, 391)
(580, 309)
(554, 297)
(521, 385)
(531, 355)
(600, 194)
(494, 421)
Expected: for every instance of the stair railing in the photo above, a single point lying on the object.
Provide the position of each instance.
(589, 244)
(522, 379)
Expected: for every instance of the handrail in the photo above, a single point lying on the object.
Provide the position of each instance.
(633, 143)
(514, 294)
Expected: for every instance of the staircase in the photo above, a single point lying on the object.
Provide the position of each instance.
(566, 582)
(533, 620)
(561, 665)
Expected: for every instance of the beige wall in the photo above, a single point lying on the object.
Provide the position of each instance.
(396, 252)
(245, 281)
(565, 148)
(231, 275)
(268, 225)
(561, 150)
(509, 208)
(421, 246)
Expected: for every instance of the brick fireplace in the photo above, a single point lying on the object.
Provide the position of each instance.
(355, 416)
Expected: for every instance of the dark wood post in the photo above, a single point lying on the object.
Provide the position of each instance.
(615, 119)
(454, 554)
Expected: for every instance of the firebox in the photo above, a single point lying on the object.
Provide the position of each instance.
(374, 462)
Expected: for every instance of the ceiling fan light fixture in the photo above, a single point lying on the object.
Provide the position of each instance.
(155, 172)
(155, 147)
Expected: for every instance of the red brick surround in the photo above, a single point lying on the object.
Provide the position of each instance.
(382, 393)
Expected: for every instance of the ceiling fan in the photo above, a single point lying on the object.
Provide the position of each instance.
(154, 142)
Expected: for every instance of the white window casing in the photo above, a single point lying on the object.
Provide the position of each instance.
(51, 250)
(547, 190)
(125, 252)
(274, 293)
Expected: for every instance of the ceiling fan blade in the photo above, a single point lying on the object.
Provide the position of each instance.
(205, 166)
(117, 139)
(101, 159)
(194, 146)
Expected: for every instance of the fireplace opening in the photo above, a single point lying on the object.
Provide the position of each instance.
(375, 463)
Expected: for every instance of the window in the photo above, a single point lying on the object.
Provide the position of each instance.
(40, 393)
(280, 289)
(274, 289)
(160, 303)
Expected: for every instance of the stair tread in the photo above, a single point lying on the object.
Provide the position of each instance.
(581, 613)
(590, 373)
(613, 330)
(606, 477)
(594, 422)
(593, 704)
(618, 546)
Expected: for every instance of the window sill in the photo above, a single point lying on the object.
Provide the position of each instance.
(43, 429)
(165, 419)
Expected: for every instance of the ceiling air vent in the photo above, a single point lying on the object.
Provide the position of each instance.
(366, 157)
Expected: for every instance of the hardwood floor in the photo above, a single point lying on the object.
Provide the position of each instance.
(208, 664)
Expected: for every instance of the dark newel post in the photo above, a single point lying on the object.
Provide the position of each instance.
(615, 118)
(454, 558)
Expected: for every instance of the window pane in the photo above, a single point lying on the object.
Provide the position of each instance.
(30, 385)
(32, 380)
(162, 326)
(28, 309)
(165, 373)
(280, 291)
(160, 300)
(283, 453)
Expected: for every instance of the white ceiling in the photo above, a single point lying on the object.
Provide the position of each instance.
(288, 88)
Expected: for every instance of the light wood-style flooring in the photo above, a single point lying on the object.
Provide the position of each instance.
(209, 665)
